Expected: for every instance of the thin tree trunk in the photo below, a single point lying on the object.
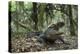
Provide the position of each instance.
(34, 15)
(72, 30)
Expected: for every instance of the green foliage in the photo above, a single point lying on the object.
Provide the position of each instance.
(26, 17)
(13, 6)
(28, 5)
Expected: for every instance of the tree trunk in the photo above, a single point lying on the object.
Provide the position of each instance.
(72, 30)
(34, 15)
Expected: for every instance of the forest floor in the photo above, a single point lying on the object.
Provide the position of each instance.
(21, 43)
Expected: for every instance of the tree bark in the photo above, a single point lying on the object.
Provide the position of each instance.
(34, 15)
(72, 30)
